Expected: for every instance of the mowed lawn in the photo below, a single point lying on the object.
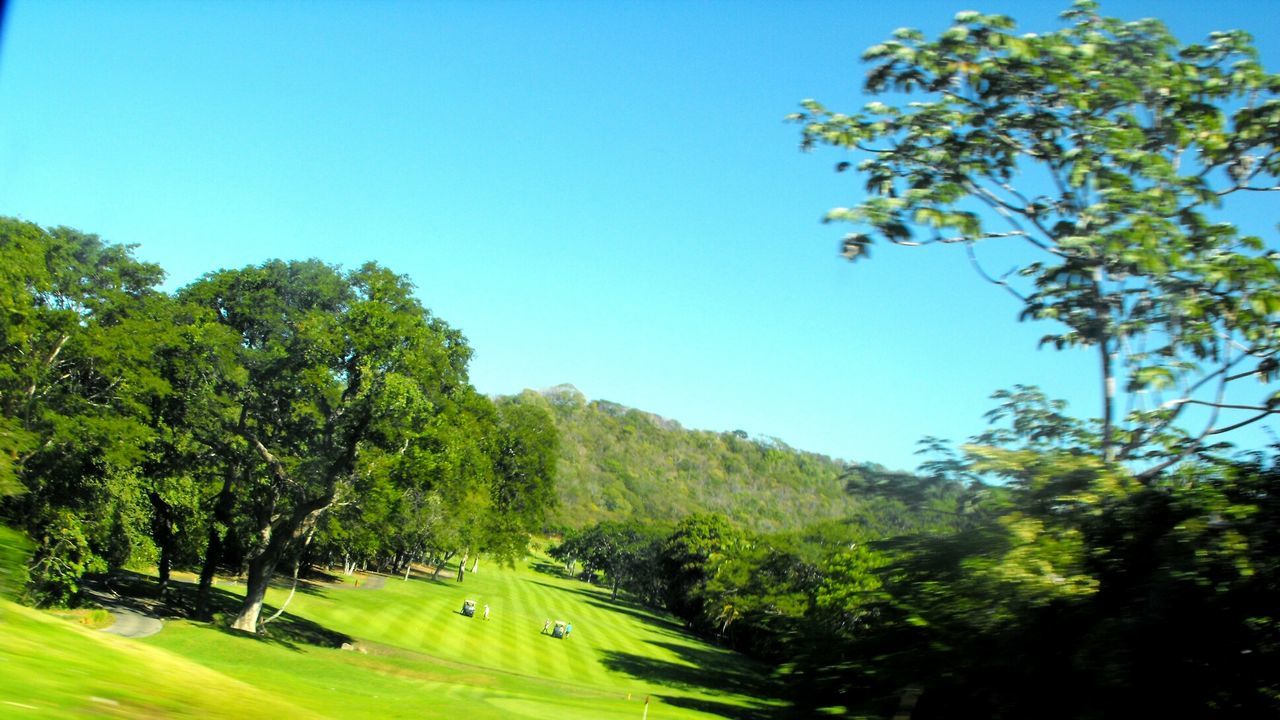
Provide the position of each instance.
(418, 656)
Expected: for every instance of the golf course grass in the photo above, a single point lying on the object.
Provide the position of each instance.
(415, 655)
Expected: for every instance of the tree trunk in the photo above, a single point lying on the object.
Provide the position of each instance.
(260, 570)
(286, 533)
(440, 562)
(213, 551)
(162, 527)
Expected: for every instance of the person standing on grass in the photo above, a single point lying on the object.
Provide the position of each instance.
(546, 626)
(486, 612)
(568, 629)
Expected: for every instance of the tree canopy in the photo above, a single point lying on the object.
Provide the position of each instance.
(1110, 154)
(217, 426)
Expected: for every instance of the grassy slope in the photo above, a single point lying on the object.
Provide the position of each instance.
(52, 668)
(426, 660)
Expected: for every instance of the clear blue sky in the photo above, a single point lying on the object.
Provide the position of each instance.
(596, 193)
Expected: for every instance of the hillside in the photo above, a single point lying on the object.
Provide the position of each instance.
(618, 462)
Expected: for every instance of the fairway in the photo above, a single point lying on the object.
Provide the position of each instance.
(418, 656)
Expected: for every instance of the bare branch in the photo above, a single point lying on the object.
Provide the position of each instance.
(1243, 423)
(973, 260)
(277, 468)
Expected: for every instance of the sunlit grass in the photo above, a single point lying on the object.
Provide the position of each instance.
(414, 655)
(50, 668)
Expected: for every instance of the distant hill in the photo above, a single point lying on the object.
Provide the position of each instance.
(618, 463)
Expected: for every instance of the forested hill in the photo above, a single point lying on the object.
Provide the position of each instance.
(618, 463)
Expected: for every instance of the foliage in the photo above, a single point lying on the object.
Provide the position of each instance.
(1107, 152)
(618, 463)
(61, 557)
(222, 422)
(629, 554)
(76, 381)
(1117, 565)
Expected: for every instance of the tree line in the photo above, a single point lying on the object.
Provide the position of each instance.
(256, 420)
(1123, 563)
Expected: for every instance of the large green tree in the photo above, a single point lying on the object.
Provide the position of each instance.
(1102, 160)
(340, 367)
(78, 321)
(1109, 153)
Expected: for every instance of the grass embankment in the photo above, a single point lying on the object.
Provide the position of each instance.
(419, 657)
(55, 668)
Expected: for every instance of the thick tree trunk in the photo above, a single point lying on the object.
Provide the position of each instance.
(285, 534)
(261, 569)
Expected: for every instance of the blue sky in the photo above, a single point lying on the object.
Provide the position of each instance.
(602, 194)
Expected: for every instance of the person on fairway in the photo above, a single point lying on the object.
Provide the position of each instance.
(546, 626)
(568, 629)
(486, 611)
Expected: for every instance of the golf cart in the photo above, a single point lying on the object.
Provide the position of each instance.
(469, 608)
(558, 630)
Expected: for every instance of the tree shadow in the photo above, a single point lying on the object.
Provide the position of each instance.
(548, 568)
(729, 710)
(600, 598)
(141, 593)
(703, 671)
(641, 613)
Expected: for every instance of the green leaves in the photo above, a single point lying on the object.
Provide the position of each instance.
(1102, 147)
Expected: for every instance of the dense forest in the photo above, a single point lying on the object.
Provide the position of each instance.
(255, 420)
(619, 463)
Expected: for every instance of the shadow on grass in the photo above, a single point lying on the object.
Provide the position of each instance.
(599, 597)
(140, 593)
(548, 568)
(729, 710)
(641, 613)
(706, 670)
(703, 671)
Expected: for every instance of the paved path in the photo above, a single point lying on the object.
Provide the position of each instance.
(133, 618)
(131, 624)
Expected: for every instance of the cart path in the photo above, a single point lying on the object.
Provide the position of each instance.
(131, 624)
(132, 620)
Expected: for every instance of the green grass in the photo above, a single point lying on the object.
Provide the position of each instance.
(416, 656)
(51, 668)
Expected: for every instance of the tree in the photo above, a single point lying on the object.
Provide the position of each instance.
(1100, 159)
(626, 552)
(78, 320)
(690, 559)
(338, 365)
(1108, 151)
(524, 462)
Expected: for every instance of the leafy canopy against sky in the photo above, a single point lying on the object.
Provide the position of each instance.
(602, 194)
